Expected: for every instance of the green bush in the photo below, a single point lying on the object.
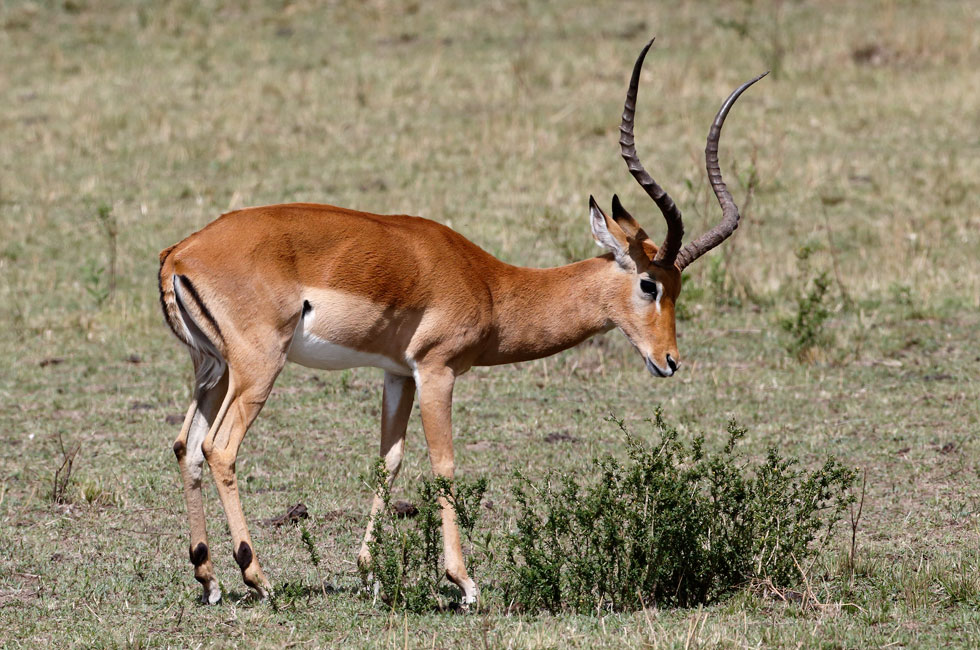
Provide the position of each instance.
(671, 526)
(806, 326)
(405, 552)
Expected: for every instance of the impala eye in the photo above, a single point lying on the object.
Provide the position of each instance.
(648, 287)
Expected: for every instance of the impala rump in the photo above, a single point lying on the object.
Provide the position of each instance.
(180, 300)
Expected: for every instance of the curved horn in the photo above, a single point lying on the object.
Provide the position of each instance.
(675, 224)
(729, 211)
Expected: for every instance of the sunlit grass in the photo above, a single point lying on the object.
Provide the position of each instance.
(499, 119)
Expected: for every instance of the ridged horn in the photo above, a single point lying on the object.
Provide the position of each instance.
(729, 211)
(675, 225)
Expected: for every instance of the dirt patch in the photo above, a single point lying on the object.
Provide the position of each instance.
(16, 596)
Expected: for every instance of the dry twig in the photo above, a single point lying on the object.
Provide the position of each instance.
(62, 475)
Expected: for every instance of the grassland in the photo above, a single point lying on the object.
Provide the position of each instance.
(499, 120)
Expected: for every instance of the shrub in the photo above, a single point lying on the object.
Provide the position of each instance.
(806, 326)
(670, 526)
(405, 552)
(809, 338)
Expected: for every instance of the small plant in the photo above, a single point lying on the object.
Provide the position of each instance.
(690, 306)
(565, 236)
(855, 516)
(769, 39)
(287, 596)
(310, 545)
(62, 476)
(92, 276)
(100, 283)
(806, 327)
(405, 552)
(110, 230)
(722, 284)
(96, 492)
(910, 304)
(670, 526)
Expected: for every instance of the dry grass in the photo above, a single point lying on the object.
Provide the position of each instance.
(499, 119)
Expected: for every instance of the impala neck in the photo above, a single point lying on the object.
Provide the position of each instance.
(539, 312)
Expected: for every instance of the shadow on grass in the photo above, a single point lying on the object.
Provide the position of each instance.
(289, 594)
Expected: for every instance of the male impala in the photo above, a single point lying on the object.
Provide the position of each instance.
(332, 288)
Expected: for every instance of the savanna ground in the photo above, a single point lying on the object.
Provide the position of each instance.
(862, 148)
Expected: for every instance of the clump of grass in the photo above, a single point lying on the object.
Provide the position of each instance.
(961, 585)
(911, 305)
(716, 288)
(670, 526)
(97, 492)
(405, 552)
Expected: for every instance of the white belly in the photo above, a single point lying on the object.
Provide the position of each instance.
(311, 351)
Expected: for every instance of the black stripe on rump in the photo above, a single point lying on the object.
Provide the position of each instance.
(200, 304)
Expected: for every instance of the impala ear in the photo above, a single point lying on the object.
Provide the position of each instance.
(610, 236)
(642, 248)
(626, 221)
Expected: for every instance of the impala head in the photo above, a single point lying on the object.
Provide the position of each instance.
(642, 289)
(649, 278)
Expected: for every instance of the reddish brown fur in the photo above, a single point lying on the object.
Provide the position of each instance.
(492, 312)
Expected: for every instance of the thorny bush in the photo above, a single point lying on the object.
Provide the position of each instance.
(405, 553)
(671, 526)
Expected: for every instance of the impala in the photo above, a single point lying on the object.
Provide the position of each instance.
(332, 288)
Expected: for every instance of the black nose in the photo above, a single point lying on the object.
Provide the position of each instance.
(673, 364)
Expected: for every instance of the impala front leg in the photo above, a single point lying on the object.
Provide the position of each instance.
(436, 404)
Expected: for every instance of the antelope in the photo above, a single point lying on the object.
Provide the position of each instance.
(332, 288)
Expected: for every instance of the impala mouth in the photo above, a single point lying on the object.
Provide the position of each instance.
(656, 370)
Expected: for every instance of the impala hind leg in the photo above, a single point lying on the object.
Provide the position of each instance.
(436, 404)
(396, 407)
(190, 458)
(246, 395)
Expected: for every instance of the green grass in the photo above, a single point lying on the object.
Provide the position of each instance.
(500, 121)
